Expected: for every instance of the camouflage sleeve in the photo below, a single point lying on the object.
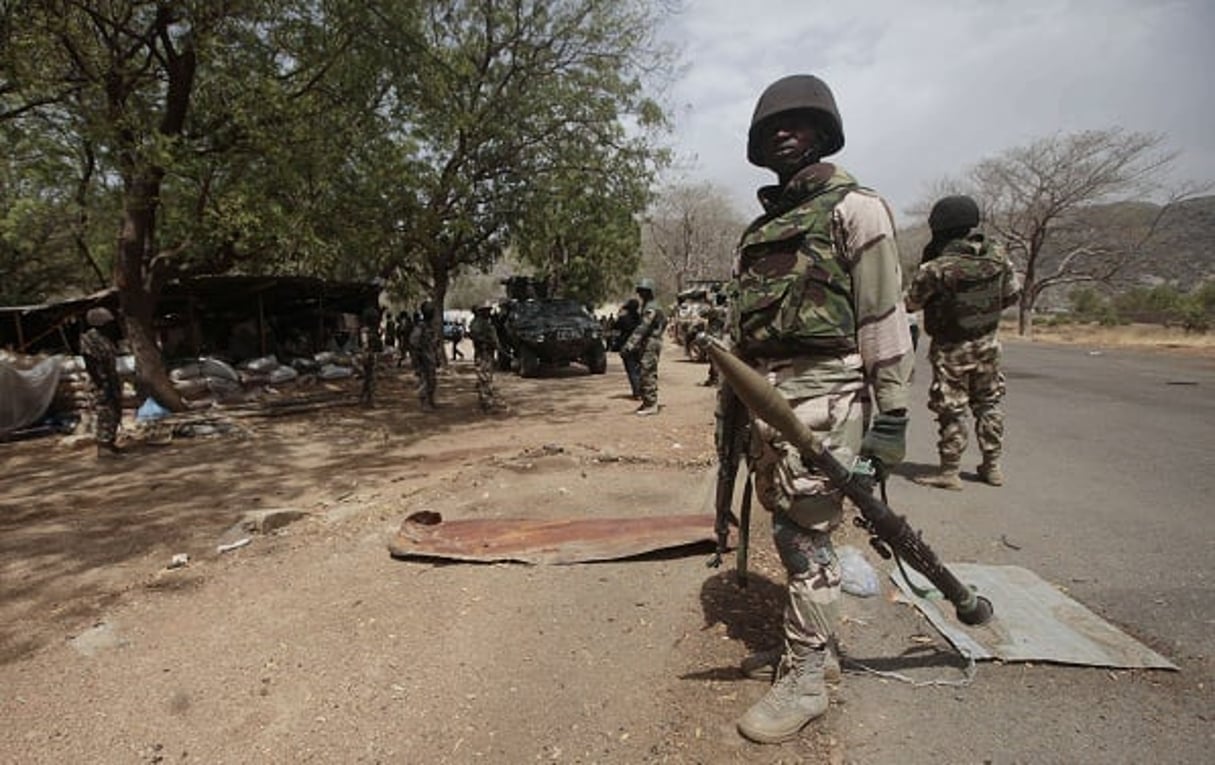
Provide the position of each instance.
(883, 334)
(923, 287)
(1012, 283)
(644, 328)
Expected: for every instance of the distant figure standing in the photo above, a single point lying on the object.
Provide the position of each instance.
(626, 321)
(404, 331)
(485, 352)
(457, 334)
(100, 360)
(371, 348)
(963, 284)
(424, 349)
(646, 340)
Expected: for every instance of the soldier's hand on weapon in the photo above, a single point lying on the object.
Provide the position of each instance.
(885, 444)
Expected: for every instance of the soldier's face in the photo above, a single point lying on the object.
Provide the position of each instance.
(788, 141)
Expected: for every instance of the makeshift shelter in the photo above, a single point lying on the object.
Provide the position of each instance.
(238, 317)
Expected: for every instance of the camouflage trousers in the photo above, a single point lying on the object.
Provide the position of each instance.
(487, 395)
(107, 408)
(647, 373)
(367, 394)
(425, 368)
(967, 376)
(806, 508)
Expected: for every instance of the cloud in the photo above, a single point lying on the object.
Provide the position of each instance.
(927, 89)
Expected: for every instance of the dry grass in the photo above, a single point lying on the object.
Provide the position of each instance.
(1141, 336)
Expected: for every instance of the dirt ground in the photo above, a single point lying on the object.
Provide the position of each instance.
(312, 644)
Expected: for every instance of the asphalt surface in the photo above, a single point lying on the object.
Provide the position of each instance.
(1109, 496)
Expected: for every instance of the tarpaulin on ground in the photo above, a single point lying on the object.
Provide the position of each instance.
(26, 394)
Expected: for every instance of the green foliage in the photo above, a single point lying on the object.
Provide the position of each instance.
(343, 139)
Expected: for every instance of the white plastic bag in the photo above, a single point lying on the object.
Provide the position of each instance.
(858, 577)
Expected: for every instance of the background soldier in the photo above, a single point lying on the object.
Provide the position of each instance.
(627, 320)
(963, 284)
(486, 348)
(817, 310)
(716, 316)
(423, 350)
(646, 342)
(369, 339)
(100, 360)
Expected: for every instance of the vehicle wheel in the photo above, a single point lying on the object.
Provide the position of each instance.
(597, 360)
(529, 363)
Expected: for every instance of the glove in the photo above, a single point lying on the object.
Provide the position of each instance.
(886, 440)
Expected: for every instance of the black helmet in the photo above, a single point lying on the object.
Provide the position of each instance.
(954, 213)
(428, 310)
(793, 93)
(98, 317)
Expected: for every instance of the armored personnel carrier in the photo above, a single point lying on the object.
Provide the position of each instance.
(537, 330)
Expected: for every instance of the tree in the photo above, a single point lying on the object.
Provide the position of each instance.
(1042, 200)
(117, 86)
(691, 232)
(511, 120)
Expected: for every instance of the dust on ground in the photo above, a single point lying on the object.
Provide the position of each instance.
(311, 644)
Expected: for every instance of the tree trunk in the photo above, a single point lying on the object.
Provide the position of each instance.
(136, 299)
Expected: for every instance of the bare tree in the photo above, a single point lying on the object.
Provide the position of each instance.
(1044, 200)
(690, 234)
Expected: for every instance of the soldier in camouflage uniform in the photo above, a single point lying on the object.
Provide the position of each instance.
(963, 284)
(424, 350)
(486, 348)
(716, 317)
(372, 347)
(646, 340)
(100, 360)
(816, 308)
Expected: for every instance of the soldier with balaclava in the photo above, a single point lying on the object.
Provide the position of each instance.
(963, 284)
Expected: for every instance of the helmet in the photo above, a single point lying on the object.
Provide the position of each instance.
(485, 307)
(792, 93)
(645, 283)
(98, 317)
(428, 310)
(952, 213)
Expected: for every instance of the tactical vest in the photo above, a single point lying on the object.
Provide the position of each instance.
(969, 307)
(794, 294)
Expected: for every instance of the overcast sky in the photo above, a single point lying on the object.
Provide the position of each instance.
(927, 88)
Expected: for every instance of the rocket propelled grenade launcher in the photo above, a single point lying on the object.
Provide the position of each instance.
(768, 405)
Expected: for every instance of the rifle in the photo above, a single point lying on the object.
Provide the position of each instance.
(883, 524)
(732, 433)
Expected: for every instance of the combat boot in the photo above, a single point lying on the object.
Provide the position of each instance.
(990, 472)
(646, 411)
(949, 477)
(762, 665)
(798, 696)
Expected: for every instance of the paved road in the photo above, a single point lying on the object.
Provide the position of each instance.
(1111, 488)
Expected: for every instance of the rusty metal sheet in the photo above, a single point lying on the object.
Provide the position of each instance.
(554, 541)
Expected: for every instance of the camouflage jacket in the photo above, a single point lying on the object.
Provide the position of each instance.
(964, 289)
(483, 333)
(648, 333)
(818, 277)
(100, 361)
